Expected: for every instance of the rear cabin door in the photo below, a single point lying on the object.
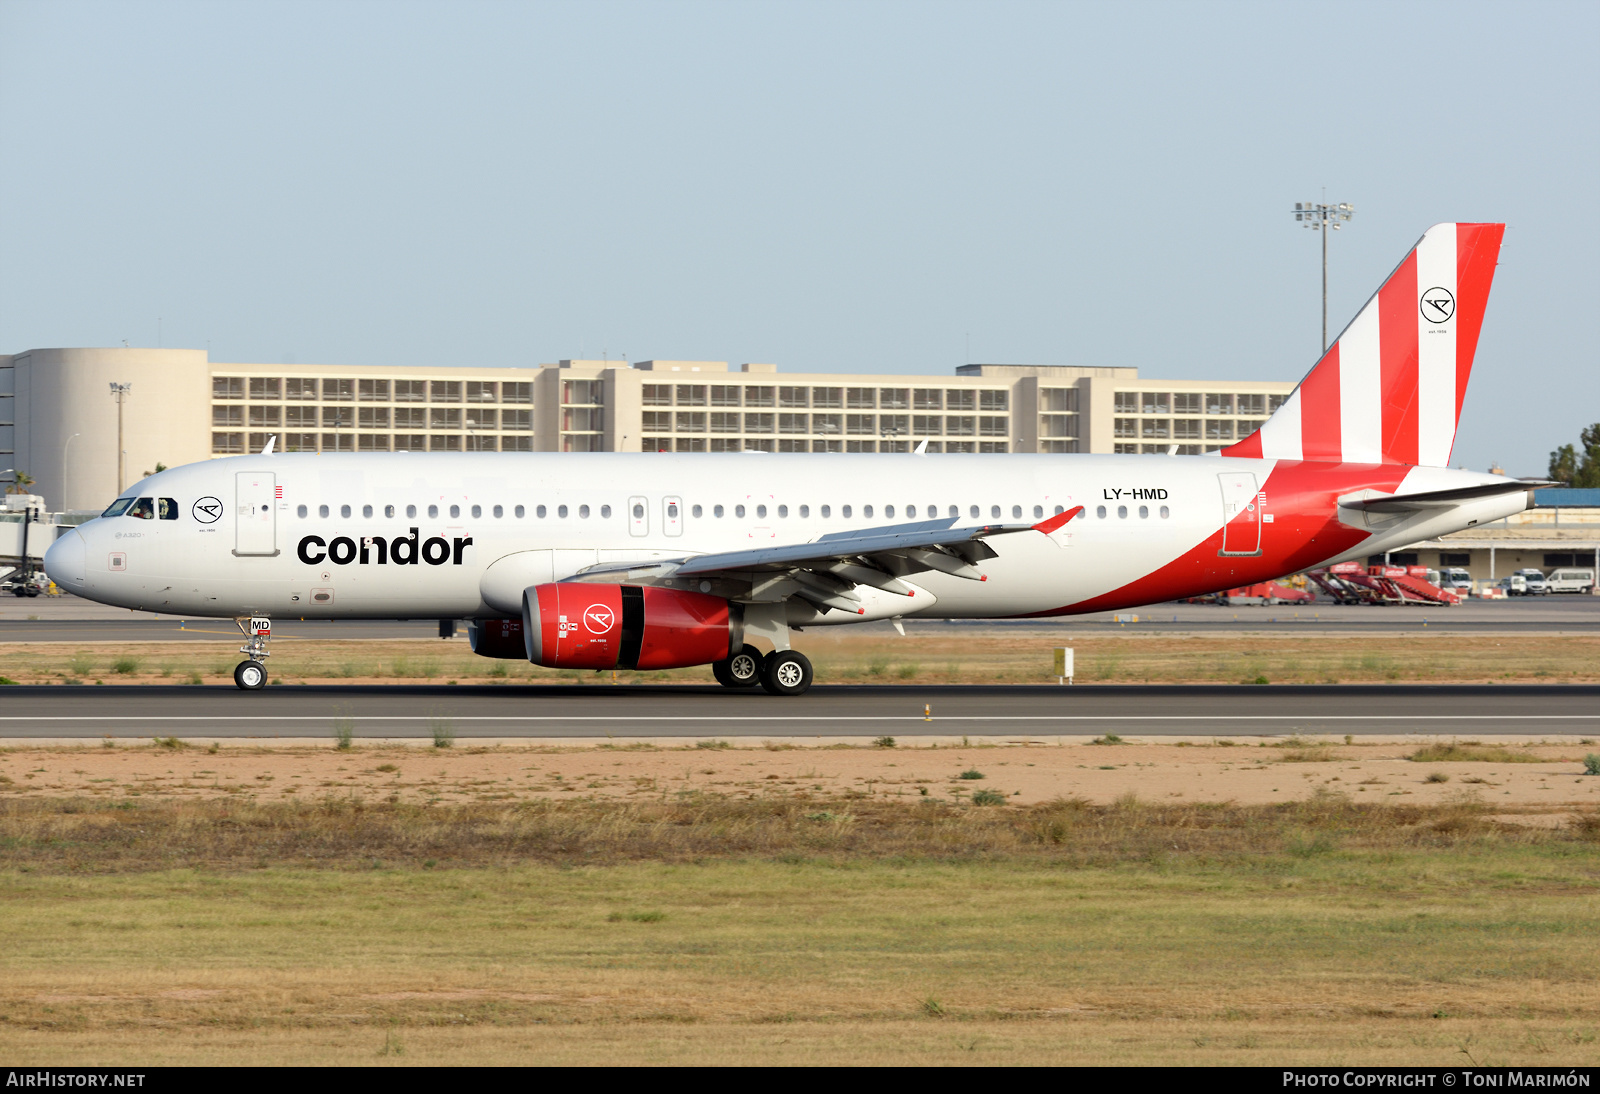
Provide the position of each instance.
(255, 514)
(672, 516)
(1241, 514)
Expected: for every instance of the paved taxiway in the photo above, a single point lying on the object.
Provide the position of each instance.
(826, 711)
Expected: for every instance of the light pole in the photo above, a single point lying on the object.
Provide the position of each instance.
(1324, 218)
(119, 392)
(64, 450)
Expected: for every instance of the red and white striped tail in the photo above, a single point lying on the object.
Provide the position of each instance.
(1390, 389)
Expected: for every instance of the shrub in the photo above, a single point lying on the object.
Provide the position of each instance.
(1108, 739)
(1437, 777)
(444, 732)
(988, 797)
(712, 744)
(970, 773)
(343, 731)
(1591, 764)
(125, 666)
(883, 742)
(1456, 753)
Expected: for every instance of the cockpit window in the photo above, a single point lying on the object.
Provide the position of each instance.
(118, 507)
(167, 509)
(144, 509)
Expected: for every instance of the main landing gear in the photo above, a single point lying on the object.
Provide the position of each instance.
(784, 672)
(251, 675)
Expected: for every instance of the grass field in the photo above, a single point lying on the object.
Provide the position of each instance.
(937, 657)
(707, 930)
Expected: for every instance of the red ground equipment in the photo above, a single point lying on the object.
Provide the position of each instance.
(1352, 583)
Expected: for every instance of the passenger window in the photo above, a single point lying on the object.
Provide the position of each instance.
(973, 513)
(844, 511)
(1144, 512)
(300, 511)
(761, 510)
(716, 510)
(1122, 512)
(344, 511)
(388, 510)
(120, 506)
(911, 510)
(433, 512)
(826, 511)
(1038, 511)
(519, 512)
(994, 512)
(366, 511)
(866, 511)
(1165, 512)
(411, 512)
(540, 512)
(638, 510)
(1016, 511)
(783, 510)
(738, 510)
(144, 509)
(322, 511)
(1100, 511)
(583, 512)
(696, 512)
(805, 511)
(167, 509)
(1059, 510)
(477, 511)
(561, 511)
(455, 511)
(955, 511)
(672, 510)
(605, 512)
(498, 512)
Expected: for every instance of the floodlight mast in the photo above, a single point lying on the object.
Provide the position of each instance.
(1322, 217)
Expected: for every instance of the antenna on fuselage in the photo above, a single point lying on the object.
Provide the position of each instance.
(921, 449)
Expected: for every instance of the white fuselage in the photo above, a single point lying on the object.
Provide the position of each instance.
(331, 536)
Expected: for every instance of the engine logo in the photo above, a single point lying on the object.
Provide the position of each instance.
(598, 618)
(1438, 305)
(207, 510)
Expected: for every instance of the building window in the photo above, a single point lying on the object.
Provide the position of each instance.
(832, 424)
(338, 391)
(445, 391)
(963, 426)
(1125, 449)
(759, 396)
(516, 444)
(861, 424)
(338, 442)
(300, 417)
(1186, 429)
(794, 397)
(405, 417)
(993, 427)
(1059, 425)
(691, 444)
(657, 395)
(1464, 558)
(227, 387)
(226, 416)
(1274, 402)
(1188, 450)
(410, 442)
(1219, 431)
(1219, 404)
(994, 400)
(1058, 446)
(721, 394)
(959, 446)
(1059, 400)
(723, 422)
(516, 420)
(961, 399)
(1157, 428)
(927, 398)
(519, 391)
(580, 442)
(827, 398)
(372, 442)
(894, 398)
(788, 445)
(657, 421)
(582, 419)
(1126, 402)
(693, 421)
(1254, 405)
(266, 387)
(758, 423)
(794, 423)
(993, 446)
(861, 398)
(300, 389)
(1186, 402)
(860, 446)
(1125, 427)
(227, 443)
(893, 425)
(299, 442)
(483, 418)
(1155, 402)
(1554, 558)
(927, 425)
(268, 417)
(411, 391)
(482, 391)
(337, 417)
(477, 442)
(691, 395)
(725, 444)
(441, 417)
(448, 442)
(754, 445)
(373, 391)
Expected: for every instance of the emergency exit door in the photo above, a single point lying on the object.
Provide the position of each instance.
(255, 514)
(1241, 514)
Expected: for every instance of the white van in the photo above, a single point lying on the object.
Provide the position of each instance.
(1534, 581)
(1455, 579)
(1568, 580)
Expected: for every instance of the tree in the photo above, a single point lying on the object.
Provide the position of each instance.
(24, 480)
(160, 467)
(1578, 465)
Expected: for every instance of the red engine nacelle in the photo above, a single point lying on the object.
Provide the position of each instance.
(576, 626)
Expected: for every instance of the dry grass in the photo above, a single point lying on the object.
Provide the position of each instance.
(1468, 751)
(933, 656)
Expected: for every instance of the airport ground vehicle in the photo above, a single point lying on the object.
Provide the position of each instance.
(1533, 582)
(1456, 580)
(605, 560)
(1569, 580)
(22, 583)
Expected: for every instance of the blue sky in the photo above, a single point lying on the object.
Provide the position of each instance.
(833, 187)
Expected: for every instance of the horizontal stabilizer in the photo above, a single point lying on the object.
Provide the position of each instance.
(1439, 499)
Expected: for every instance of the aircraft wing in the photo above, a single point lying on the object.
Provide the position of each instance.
(826, 570)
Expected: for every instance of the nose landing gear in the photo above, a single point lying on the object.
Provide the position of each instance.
(252, 674)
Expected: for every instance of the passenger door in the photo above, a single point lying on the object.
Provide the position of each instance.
(255, 514)
(672, 516)
(638, 517)
(1241, 514)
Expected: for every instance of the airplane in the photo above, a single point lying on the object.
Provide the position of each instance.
(653, 561)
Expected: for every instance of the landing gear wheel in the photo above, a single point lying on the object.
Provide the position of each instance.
(786, 672)
(250, 675)
(742, 670)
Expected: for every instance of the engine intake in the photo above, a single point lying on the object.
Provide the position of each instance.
(579, 626)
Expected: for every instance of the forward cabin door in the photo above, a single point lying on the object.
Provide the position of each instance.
(1241, 514)
(255, 513)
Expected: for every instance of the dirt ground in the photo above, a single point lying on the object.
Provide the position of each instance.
(1200, 770)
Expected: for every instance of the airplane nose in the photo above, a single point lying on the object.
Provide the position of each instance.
(64, 561)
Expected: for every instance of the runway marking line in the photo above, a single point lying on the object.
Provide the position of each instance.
(809, 718)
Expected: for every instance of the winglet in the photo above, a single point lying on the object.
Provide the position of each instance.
(266, 449)
(1050, 524)
(921, 449)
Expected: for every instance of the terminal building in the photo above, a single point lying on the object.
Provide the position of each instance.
(61, 415)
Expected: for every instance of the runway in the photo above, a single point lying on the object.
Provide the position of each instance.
(831, 711)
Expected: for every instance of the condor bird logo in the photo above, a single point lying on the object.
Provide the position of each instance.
(598, 618)
(1438, 305)
(207, 510)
